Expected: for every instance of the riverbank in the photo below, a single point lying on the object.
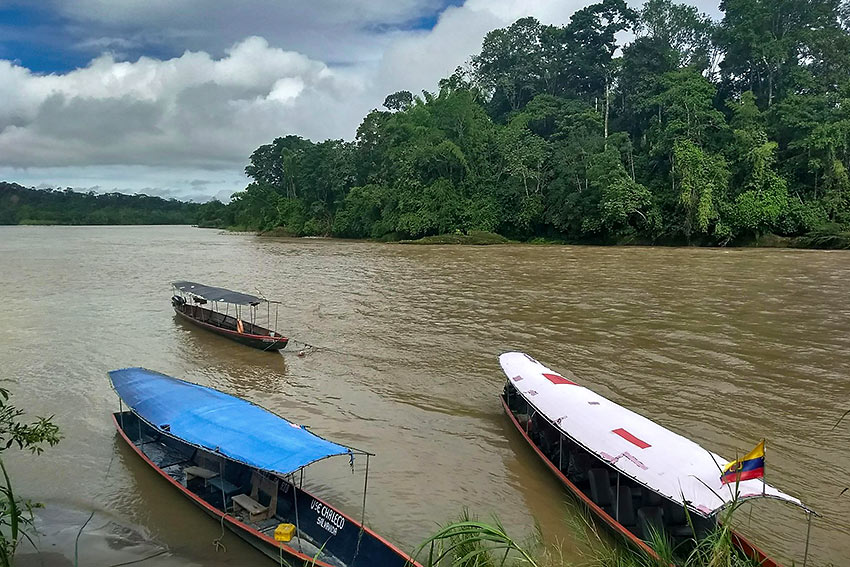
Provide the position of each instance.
(66, 535)
(818, 240)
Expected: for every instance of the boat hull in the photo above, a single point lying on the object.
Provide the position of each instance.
(740, 541)
(226, 326)
(312, 511)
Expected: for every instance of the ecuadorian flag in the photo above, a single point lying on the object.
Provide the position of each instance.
(747, 468)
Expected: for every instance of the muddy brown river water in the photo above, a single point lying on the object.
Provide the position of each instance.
(724, 346)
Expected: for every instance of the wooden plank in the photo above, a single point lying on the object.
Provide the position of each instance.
(200, 472)
(249, 504)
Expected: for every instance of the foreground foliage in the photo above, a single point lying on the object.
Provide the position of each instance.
(15, 513)
(695, 131)
(469, 542)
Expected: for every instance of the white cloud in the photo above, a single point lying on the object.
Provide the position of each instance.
(188, 111)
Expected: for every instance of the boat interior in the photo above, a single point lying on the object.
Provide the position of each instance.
(638, 509)
(260, 500)
(221, 320)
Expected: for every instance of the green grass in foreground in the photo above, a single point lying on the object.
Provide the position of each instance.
(469, 542)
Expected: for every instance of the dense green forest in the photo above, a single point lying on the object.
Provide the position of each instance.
(22, 205)
(692, 131)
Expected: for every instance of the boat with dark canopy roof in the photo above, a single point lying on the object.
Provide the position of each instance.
(239, 462)
(636, 476)
(199, 304)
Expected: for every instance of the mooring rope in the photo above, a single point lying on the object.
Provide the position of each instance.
(302, 349)
(80, 531)
(217, 543)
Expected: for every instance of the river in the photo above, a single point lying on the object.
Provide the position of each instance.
(722, 345)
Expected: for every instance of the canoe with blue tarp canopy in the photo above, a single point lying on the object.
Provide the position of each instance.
(218, 422)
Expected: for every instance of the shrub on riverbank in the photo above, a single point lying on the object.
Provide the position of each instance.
(473, 237)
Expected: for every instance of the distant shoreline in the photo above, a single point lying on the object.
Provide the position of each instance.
(28, 206)
(823, 241)
(815, 241)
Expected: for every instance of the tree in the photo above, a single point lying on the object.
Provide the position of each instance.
(509, 65)
(681, 28)
(275, 165)
(700, 177)
(766, 43)
(16, 514)
(400, 100)
(590, 40)
(762, 193)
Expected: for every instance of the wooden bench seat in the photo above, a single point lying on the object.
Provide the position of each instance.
(199, 472)
(222, 485)
(256, 511)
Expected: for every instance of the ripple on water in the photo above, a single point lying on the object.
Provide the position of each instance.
(724, 346)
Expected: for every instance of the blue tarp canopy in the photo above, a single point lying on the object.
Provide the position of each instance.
(220, 423)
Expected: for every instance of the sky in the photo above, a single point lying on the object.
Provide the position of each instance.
(170, 97)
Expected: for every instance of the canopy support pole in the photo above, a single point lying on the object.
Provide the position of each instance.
(365, 485)
(301, 480)
(221, 476)
(808, 534)
(560, 451)
(362, 511)
(617, 500)
(275, 318)
(295, 500)
(121, 412)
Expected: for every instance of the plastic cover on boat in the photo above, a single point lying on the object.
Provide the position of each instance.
(211, 293)
(652, 455)
(220, 423)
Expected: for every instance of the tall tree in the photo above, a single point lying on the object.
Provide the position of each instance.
(682, 28)
(766, 42)
(509, 65)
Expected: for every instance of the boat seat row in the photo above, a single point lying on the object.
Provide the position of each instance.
(642, 511)
(254, 510)
(616, 501)
(263, 488)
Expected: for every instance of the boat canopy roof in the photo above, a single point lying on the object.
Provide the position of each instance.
(221, 423)
(652, 455)
(211, 293)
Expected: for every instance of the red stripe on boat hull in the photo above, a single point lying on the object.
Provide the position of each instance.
(244, 530)
(261, 342)
(614, 524)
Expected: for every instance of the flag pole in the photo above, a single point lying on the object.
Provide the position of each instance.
(764, 468)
